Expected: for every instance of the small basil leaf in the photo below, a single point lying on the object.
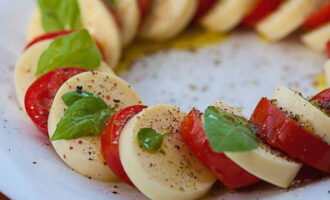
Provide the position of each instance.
(77, 49)
(227, 132)
(150, 139)
(70, 97)
(85, 117)
(57, 15)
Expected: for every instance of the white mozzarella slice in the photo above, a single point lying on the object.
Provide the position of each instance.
(286, 19)
(129, 14)
(169, 173)
(26, 68)
(84, 154)
(167, 18)
(226, 14)
(99, 22)
(295, 104)
(327, 71)
(263, 162)
(317, 39)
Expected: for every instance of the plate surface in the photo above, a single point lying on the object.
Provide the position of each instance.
(238, 71)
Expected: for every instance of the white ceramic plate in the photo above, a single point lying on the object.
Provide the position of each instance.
(238, 71)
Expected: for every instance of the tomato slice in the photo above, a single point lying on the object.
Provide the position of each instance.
(323, 99)
(110, 139)
(228, 172)
(262, 9)
(39, 96)
(318, 18)
(282, 132)
(203, 7)
(144, 6)
(328, 49)
(47, 36)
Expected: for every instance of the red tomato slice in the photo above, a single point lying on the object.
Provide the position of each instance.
(281, 132)
(229, 173)
(47, 36)
(318, 18)
(39, 97)
(203, 7)
(144, 6)
(328, 49)
(323, 98)
(262, 9)
(110, 139)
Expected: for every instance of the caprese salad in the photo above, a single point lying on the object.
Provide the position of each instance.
(99, 126)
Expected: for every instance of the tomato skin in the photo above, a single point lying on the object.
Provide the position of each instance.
(328, 49)
(40, 95)
(144, 6)
(323, 98)
(262, 9)
(110, 139)
(229, 173)
(47, 36)
(281, 132)
(203, 7)
(318, 18)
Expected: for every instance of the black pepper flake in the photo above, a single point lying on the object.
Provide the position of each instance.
(116, 100)
(114, 192)
(34, 162)
(79, 89)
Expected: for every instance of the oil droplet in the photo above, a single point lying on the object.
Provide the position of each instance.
(191, 39)
(320, 82)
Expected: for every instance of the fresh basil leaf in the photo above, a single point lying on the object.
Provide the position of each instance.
(57, 15)
(70, 97)
(150, 139)
(227, 132)
(85, 117)
(77, 49)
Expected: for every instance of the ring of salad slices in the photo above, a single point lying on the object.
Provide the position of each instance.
(99, 126)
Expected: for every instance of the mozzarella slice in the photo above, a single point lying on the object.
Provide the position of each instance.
(263, 162)
(129, 14)
(84, 154)
(286, 19)
(170, 173)
(327, 72)
(99, 22)
(295, 104)
(317, 39)
(26, 68)
(226, 14)
(167, 18)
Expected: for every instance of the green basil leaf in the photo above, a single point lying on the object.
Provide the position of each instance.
(111, 1)
(85, 117)
(71, 97)
(77, 49)
(57, 15)
(150, 139)
(227, 132)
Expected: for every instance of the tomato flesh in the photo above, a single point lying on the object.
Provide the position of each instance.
(282, 132)
(47, 36)
(40, 95)
(144, 6)
(323, 99)
(203, 7)
(318, 18)
(110, 139)
(262, 9)
(228, 172)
